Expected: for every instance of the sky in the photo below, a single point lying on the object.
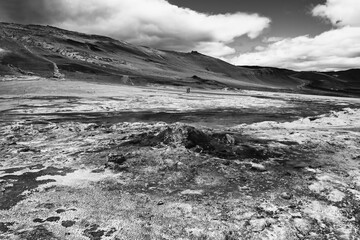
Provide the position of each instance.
(316, 35)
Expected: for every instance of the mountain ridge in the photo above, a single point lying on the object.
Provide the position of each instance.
(49, 51)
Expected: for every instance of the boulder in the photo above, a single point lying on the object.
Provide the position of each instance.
(116, 158)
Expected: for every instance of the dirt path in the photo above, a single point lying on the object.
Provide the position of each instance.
(56, 73)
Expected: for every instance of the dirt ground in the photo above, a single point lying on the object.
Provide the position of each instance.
(88, 161)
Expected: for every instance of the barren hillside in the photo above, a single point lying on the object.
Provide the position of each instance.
(52, 52)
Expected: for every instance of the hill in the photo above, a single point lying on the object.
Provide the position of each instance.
(52, 52)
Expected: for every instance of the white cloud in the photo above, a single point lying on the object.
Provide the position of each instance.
(336, 49)
(260, 48)
(214, 48)
(158, 23)
(340, 12)
(272, 39)
(332, 50)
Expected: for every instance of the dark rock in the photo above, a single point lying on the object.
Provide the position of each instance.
(67, 223)
(53, 219)
(196, 77)
(7, 186)
(356, 214)
(60, 210)
(28, 149)
(38, 220)
(99, 170)
(250, 151)
(116, 162)
(293, 206)
(11, 141)
(187, 136)
(116, 158)
(46, 205)
(230, 236)
(313, 118)
(91, 126)
(197, 137)
(296, 215)
(116, 167)
(110, 232)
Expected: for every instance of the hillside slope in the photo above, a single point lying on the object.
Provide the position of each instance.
(52, 52)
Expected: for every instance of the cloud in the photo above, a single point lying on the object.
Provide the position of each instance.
(215, 48)
(336, 49)
(332, 50)
(272, 39)
(34, 11)
(155, 23)
(340, 12)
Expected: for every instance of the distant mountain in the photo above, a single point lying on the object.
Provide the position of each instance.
(52, 52)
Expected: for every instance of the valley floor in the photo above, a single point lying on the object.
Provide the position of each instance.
(88, 161)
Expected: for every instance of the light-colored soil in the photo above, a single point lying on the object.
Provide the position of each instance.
(295, 177)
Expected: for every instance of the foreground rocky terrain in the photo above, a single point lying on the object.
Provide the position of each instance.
(95, 161)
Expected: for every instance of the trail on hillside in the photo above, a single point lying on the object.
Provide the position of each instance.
(56, 73)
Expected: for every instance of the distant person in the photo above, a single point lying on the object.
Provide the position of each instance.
(188, 90)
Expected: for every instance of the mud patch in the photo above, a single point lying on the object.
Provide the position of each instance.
(67, 224)
(5, 226)
(20, 184)
(93, 233)
(38, 232)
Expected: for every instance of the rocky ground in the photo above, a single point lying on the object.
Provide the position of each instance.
(88, 174)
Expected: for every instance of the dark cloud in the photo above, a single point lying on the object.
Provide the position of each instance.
(50, 11)
(31, 11)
